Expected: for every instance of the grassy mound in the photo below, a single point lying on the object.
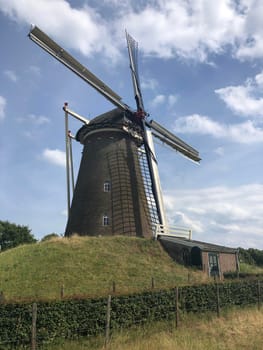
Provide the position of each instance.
(88, 266)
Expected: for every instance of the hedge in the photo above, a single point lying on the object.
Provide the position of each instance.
(87, 317)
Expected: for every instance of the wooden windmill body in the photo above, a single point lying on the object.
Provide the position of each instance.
(109, 196)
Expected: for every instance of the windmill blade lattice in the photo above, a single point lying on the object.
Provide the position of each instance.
(50, 46)
(133, 56)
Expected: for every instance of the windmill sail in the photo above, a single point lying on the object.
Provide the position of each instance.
(148, 144)
(50, 46)
(173, 141)
(133, 55)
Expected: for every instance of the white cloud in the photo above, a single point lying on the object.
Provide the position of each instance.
(38, 119)
(150, 84)
(164, 28)
(2, 107)
(158, 100)
(259, 80)
(80, 28)
(35, 70)
(220, 151)
(11, 75)
(172, 99)
(184, 220)
(199, 124)
(64, 212)
(189, 29)
(245, 132)
(55, 156)
(251, 39)
(244, 100)
(222, 215)
(161, 99)
(34, 119)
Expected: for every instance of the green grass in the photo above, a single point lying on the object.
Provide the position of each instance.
(247, 268)
(236, 329)
(88, 266)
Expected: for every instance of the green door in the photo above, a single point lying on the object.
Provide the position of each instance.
(213, 264)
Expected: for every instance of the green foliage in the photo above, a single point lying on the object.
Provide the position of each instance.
(198, 298)
(245, 257)
(243, 275)
(67, 319)
(251, 269)
(251, 256)
(257, 256)
(12, 235)
(71, 319)
(15, 324)
(235, 329)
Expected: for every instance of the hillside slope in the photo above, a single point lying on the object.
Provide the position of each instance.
(88, 266)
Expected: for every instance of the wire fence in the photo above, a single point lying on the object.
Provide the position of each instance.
(31, 325)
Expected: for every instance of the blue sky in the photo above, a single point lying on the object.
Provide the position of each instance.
(201, 73)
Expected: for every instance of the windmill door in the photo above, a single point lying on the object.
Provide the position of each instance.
(213, 264)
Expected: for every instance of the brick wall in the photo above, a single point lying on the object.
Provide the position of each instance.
(227, 262)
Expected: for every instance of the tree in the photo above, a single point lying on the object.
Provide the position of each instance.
(251, 256)
(257, 255)
(49, 236)
(245, 256)
(12, 235)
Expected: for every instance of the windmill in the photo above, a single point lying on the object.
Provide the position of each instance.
(118, 187)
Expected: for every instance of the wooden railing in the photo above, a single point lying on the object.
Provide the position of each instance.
(175, 231)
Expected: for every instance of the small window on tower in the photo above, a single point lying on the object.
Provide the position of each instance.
(105, 220)
(107, 186)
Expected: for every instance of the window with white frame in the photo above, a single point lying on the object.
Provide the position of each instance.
(106, 186)
(105, 220)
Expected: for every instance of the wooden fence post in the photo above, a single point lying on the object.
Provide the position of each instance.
(259, 295)
(217, 300)
(108, 315)
(113, 287)
(62, 290)
(153, 284)
(176, 307)
(2, 297)
(34, 327)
